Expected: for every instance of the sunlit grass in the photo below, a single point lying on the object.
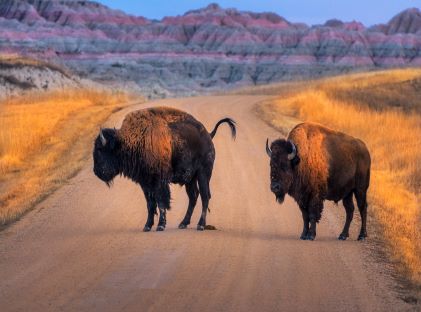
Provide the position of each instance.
(45, 139)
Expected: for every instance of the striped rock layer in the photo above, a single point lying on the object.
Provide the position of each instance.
(205, 49)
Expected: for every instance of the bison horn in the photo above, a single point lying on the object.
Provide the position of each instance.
(292, 155)
(268, 151)
(102, 137)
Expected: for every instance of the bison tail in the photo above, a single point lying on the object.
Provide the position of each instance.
(230, 123)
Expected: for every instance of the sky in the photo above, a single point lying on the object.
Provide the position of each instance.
(311, 12)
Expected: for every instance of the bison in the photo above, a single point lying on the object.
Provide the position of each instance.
(155, 147)
(315, 164)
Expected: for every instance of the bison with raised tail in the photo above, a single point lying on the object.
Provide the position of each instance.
(316, 164)
(155, 147)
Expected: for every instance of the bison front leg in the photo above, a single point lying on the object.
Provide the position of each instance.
(306, 220)
(151, 204)
(315, 208)
(163, 198)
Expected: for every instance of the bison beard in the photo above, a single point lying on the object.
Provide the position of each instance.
(316, 164)
(155, 147)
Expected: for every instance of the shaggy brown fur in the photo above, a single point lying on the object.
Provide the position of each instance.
(146, 132)
(309, 140)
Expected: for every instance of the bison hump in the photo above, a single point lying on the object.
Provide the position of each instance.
(146, 133)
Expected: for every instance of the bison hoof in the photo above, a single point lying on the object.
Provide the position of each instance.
(310, 237)
(362, 237)
(303, 237)
(200, 227)
(160, 228)
(182, 226)
(343, 237)
(147, 228)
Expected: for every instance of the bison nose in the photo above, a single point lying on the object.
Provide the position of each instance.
(275, 187)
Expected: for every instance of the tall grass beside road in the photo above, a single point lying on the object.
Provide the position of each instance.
(44, 139)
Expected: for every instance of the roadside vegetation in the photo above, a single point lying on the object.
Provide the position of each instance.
(384, 110)
(45, 139)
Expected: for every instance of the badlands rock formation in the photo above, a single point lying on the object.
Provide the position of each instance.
(19, 74)
(203, 50)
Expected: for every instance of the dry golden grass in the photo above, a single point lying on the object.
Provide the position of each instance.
(392, 134)
(44, 140)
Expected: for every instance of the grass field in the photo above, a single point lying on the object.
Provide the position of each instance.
(44, 140)
(384, 110)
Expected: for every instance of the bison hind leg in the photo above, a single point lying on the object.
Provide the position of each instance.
(361, 197)
(349, 209)
(193, 193)
(204, 189)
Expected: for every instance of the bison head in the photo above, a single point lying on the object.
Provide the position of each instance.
(106, 164)
(283, 158)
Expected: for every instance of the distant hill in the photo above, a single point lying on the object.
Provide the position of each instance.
(407, 22)
(20, 74)
(205, 49)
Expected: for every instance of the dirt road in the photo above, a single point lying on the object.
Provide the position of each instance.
(83, 248)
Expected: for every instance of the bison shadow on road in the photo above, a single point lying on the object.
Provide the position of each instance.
(192, 233)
